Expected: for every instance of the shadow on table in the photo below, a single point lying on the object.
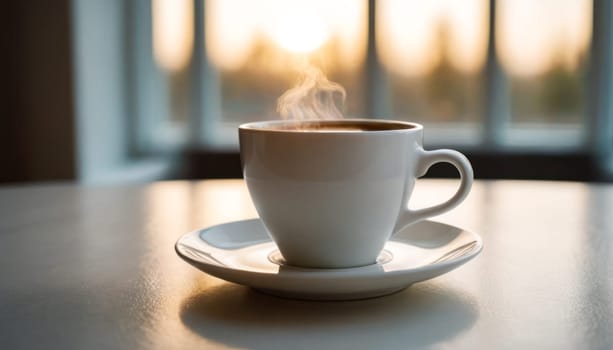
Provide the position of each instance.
(417, 317)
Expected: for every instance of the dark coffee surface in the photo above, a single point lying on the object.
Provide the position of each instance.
(340, 126)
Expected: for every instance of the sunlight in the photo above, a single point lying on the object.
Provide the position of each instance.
(234, 27)
(300, 32)
(412, 35)
(533, 35)
(173, 33)
(409, 34)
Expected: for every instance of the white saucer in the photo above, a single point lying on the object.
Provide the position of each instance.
(243, 253)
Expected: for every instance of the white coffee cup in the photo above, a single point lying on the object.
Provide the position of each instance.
(332, 193)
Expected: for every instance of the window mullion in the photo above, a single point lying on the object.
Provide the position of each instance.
(495, 87)
(600, 133)
(205, 99)
(376, 85)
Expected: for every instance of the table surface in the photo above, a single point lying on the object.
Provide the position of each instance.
(95, 268)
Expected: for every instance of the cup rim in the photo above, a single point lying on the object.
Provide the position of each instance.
(272, 126)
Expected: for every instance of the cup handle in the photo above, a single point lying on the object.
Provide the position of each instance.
(425, 160)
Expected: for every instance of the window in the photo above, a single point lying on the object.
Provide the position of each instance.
(500, 75)
(257, 51)
(543, 48)
(434, 53)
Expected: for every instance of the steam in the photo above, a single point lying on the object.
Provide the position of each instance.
(314, 97)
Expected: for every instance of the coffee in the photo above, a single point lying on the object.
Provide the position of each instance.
(337, 126)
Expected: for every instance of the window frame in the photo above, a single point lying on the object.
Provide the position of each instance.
(594, 151)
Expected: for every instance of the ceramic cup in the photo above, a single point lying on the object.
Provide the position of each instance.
(331, 193)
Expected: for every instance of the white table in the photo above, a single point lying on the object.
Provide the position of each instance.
(95, 268)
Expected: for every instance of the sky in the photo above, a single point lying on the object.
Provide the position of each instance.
(531, 35)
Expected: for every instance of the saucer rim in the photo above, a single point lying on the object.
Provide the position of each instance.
(332, 273)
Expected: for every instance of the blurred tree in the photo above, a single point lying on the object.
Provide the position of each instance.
(452, 95)
(562, 97)
(443, 82)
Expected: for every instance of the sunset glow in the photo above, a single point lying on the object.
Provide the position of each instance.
(294, 27)
(532, 35)
(412, 35)
(300, 32)
(173, 33)
(408, 32)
